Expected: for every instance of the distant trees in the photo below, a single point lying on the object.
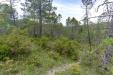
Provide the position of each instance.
(42, 14)
(73, 26)
(4, 14)
(40, 18)
(38, 11)
(8, 13)
(13, 13)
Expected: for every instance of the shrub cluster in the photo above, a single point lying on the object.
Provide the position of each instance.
(66, 47)
(63, 46)
(14, 44)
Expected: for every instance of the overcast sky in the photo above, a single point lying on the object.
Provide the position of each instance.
(73, 8)
(69, 8)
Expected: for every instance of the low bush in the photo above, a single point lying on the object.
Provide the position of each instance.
(14, 44)
(65, 47)
(75, 69)
(54, 55)
(42, 42)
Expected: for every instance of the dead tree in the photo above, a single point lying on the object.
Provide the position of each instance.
(88, 5)
(108, 54)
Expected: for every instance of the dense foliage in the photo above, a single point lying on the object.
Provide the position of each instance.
(15, 43)
(35, 41)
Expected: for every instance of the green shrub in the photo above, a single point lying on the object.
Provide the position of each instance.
(54, 55)
(4, 51)
(65, 47)
(42, 42)
(14, 44)
(61, 46)
(75, 69)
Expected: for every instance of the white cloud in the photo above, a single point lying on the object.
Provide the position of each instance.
(71, 10)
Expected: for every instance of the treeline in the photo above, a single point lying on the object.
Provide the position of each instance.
(40, 19)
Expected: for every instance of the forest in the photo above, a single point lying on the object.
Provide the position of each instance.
(34, 41)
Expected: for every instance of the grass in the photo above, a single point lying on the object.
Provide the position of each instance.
(73, 70)
(37, 63)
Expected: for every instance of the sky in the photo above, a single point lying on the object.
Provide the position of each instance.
(69, 8)
(73, 8)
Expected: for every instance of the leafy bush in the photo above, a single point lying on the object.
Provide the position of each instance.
(65, 47)
(62, 46)
(14, 43)
(42, 42)
(54, 55)
(4, 51)
(75, 69)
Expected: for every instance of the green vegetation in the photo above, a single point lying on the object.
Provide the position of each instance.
(14, 44)
(24, 55)
(37, 43)
(73, 70)
(37, 63)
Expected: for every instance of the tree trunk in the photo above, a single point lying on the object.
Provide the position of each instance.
(40, 19)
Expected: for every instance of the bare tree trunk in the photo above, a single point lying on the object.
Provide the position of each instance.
(40, 19)
(13, 13)
(88, 30)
